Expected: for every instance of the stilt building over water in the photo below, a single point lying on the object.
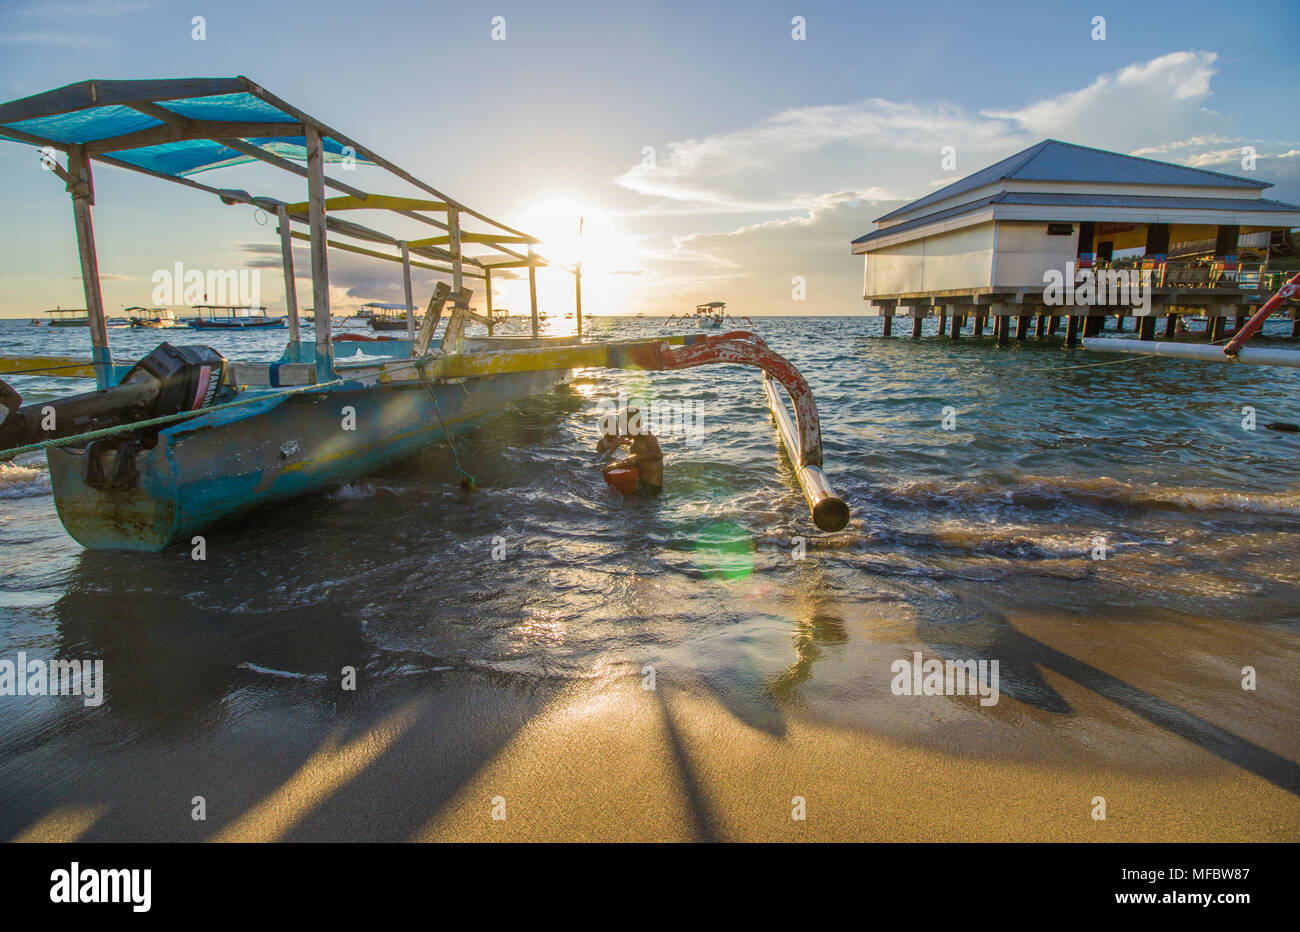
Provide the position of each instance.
(985, 251)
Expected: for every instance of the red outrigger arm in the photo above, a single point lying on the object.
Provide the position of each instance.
(742, 348)
(803, 443)
(1290, 290)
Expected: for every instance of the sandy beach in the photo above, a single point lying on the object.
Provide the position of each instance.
(605, 759)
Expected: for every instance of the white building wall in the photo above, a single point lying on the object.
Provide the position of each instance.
(960, 259)
(1025, 252)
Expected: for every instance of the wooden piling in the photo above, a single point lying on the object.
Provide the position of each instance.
(1004, 330)
(888, 326)
(1022, 326)
(1072, 331)
(1171, 324)
(955, 330)
(916, 326)
(1214, 328)
(1146, 328)
(1040, 329)
(1053, 321)
(977, 328)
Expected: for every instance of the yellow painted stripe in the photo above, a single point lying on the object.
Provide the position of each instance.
(373, 202)
(48, 365)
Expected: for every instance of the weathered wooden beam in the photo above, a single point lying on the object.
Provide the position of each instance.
(406, 288)
(431, 318)
(371, 156)
(290, 282)
(192, 129)
(83, 196)
(532, 295)
(320, 279)
(360, 250)
(270, 158)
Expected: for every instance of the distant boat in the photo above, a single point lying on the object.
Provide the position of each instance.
(71, 318)
(224, 317)
(157, 318)
(384, 316)
(710, 316)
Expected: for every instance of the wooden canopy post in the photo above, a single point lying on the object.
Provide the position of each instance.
(577, 294)
(457, 264)
(406, 288)
(487, 274)
(81, 185)
(290, 285)
(532, 290)
(320, 276)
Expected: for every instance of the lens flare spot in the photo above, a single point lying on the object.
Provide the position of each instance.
(724, 551)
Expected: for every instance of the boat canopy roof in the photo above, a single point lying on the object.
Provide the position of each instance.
(711, 304)
(174, 128)
(66, 310)
(383, 306)
(177, 128)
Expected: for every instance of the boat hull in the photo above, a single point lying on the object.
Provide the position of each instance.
(210, 325)
(218, 466)
(387, 323)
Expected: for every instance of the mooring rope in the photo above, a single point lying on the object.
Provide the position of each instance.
(428, 386)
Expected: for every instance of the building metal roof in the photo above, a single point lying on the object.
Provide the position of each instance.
(1086, 200)
(1053, 160)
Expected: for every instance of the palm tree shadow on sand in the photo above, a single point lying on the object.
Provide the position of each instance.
(989, 636)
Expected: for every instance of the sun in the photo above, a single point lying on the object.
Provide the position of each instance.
(573, 231)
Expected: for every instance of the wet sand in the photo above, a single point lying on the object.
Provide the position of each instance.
(605, 759)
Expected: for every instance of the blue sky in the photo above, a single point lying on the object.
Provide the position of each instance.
(769, 153)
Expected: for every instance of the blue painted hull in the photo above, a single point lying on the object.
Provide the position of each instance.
(215, 467)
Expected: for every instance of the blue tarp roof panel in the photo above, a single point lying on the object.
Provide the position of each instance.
(240, 108)
(86, 125)
(95, 110)
(191, 156)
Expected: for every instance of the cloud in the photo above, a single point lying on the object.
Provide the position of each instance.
(43, 38)
(772, 165)
(1167, 93)
(814, 178)
(889, 150)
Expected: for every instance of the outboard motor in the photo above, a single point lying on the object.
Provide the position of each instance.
(170, 380)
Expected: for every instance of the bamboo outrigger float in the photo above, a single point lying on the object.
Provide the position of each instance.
(182, 439)
(1234, 351)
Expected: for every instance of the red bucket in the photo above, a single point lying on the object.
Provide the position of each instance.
(621, 479)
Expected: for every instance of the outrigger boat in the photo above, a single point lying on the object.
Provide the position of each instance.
(225, 317)
(709, 316)
(154, 318)
(183, 439)
(385, 316)
(69, 318)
